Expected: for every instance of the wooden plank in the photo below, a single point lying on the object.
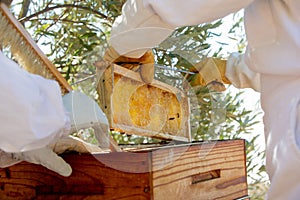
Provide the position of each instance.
(105, 88)
(210, 171)
(105, 176)
(213, 170)
(136, 77)
(45, 67)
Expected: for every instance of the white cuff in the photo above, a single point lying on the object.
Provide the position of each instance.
(239, 74)
(138, 29)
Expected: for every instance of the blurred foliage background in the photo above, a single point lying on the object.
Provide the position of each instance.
(74, 34)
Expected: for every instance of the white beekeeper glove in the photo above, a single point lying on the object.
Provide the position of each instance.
(43, 156)
(47, 156)
(86, 113)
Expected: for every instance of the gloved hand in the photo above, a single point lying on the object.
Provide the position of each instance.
(43, 156)
(210, 72)
(47, 156)
(70, 143)
(144, 64)
(86, 113)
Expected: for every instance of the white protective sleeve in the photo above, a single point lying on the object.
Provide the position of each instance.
(31, 109)
(239, 74)
(146, 23)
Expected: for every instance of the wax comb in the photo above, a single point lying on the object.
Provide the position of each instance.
(25, 51)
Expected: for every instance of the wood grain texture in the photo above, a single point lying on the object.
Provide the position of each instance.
(215, 170)
(198, 171)
(107, 176)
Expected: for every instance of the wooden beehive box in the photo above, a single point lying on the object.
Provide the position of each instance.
(153, 110)
(214, 170)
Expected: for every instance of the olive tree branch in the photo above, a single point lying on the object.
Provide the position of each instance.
(47, 9)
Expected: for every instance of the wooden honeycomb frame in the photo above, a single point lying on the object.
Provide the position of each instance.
(155, 110)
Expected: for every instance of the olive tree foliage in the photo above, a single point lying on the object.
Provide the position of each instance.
(74, 34)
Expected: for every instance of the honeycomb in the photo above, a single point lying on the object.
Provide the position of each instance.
(145, 106)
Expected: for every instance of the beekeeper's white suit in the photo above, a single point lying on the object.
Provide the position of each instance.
(30, 106)
(36, 120)
(272, 57)
(32, 115)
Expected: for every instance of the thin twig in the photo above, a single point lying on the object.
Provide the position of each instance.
(24, 10)
(63, 6)
(58, 19)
